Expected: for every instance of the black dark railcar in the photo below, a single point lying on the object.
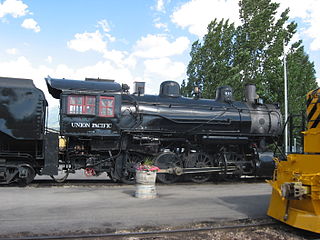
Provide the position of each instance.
(25, 147)
(106, 129)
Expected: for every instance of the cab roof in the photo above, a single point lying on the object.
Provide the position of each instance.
(16, 82)
(57, 86)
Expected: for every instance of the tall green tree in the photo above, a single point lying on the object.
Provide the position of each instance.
(251, 53)
(212, 61)
(260, 45)
(301, 75)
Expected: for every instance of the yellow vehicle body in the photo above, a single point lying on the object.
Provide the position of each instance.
(295, 196)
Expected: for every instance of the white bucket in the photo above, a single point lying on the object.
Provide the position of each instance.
(144, 177)
(145, 187)
(146, 191)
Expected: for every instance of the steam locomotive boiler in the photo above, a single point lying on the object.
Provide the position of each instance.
(107, 129)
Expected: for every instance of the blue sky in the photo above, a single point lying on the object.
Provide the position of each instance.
(125, 40)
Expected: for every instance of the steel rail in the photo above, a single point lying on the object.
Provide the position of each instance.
(155, 232)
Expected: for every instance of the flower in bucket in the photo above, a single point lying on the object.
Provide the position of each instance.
(147, 166)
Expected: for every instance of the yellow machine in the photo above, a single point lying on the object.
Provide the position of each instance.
(295, 196)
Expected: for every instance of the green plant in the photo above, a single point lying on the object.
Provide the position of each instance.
(148, 161)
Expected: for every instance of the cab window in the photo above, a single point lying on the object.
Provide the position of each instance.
(106, 107)
(78, 104)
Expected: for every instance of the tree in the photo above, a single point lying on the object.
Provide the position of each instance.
(260, 45)
(301, 74)
(212, 62)
(251, 53)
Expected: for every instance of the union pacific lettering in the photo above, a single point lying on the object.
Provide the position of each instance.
(80, 125)
(91, 125)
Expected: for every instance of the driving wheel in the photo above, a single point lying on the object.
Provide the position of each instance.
(199, 160)
(164, 161)
(131, 159)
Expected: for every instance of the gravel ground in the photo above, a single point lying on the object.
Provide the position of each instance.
(278, 231)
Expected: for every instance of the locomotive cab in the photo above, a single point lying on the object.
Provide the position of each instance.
(89, 112)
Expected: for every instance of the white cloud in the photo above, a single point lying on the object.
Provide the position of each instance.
(197, 14)
(49, 59)
(15, 8)
(31, 24)
(315, 44)
(165, 68)
(158, 46)
(149, 61)
(116, 56)
(105, 69)
(298, 8)
(159, 70)
(308, 13)
(104, 25)
(96, 41)
(22, 67)
(162, 25)
(12, 51)
(111, 38)
(160, 6)
(84, 42)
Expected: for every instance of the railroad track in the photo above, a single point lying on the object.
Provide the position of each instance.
(263, 229)
(153, 234)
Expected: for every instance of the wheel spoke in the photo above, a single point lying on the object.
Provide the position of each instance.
(164, 161)
(129, 169)
(199, 160)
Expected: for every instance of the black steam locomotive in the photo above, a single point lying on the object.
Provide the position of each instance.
(104, 128)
